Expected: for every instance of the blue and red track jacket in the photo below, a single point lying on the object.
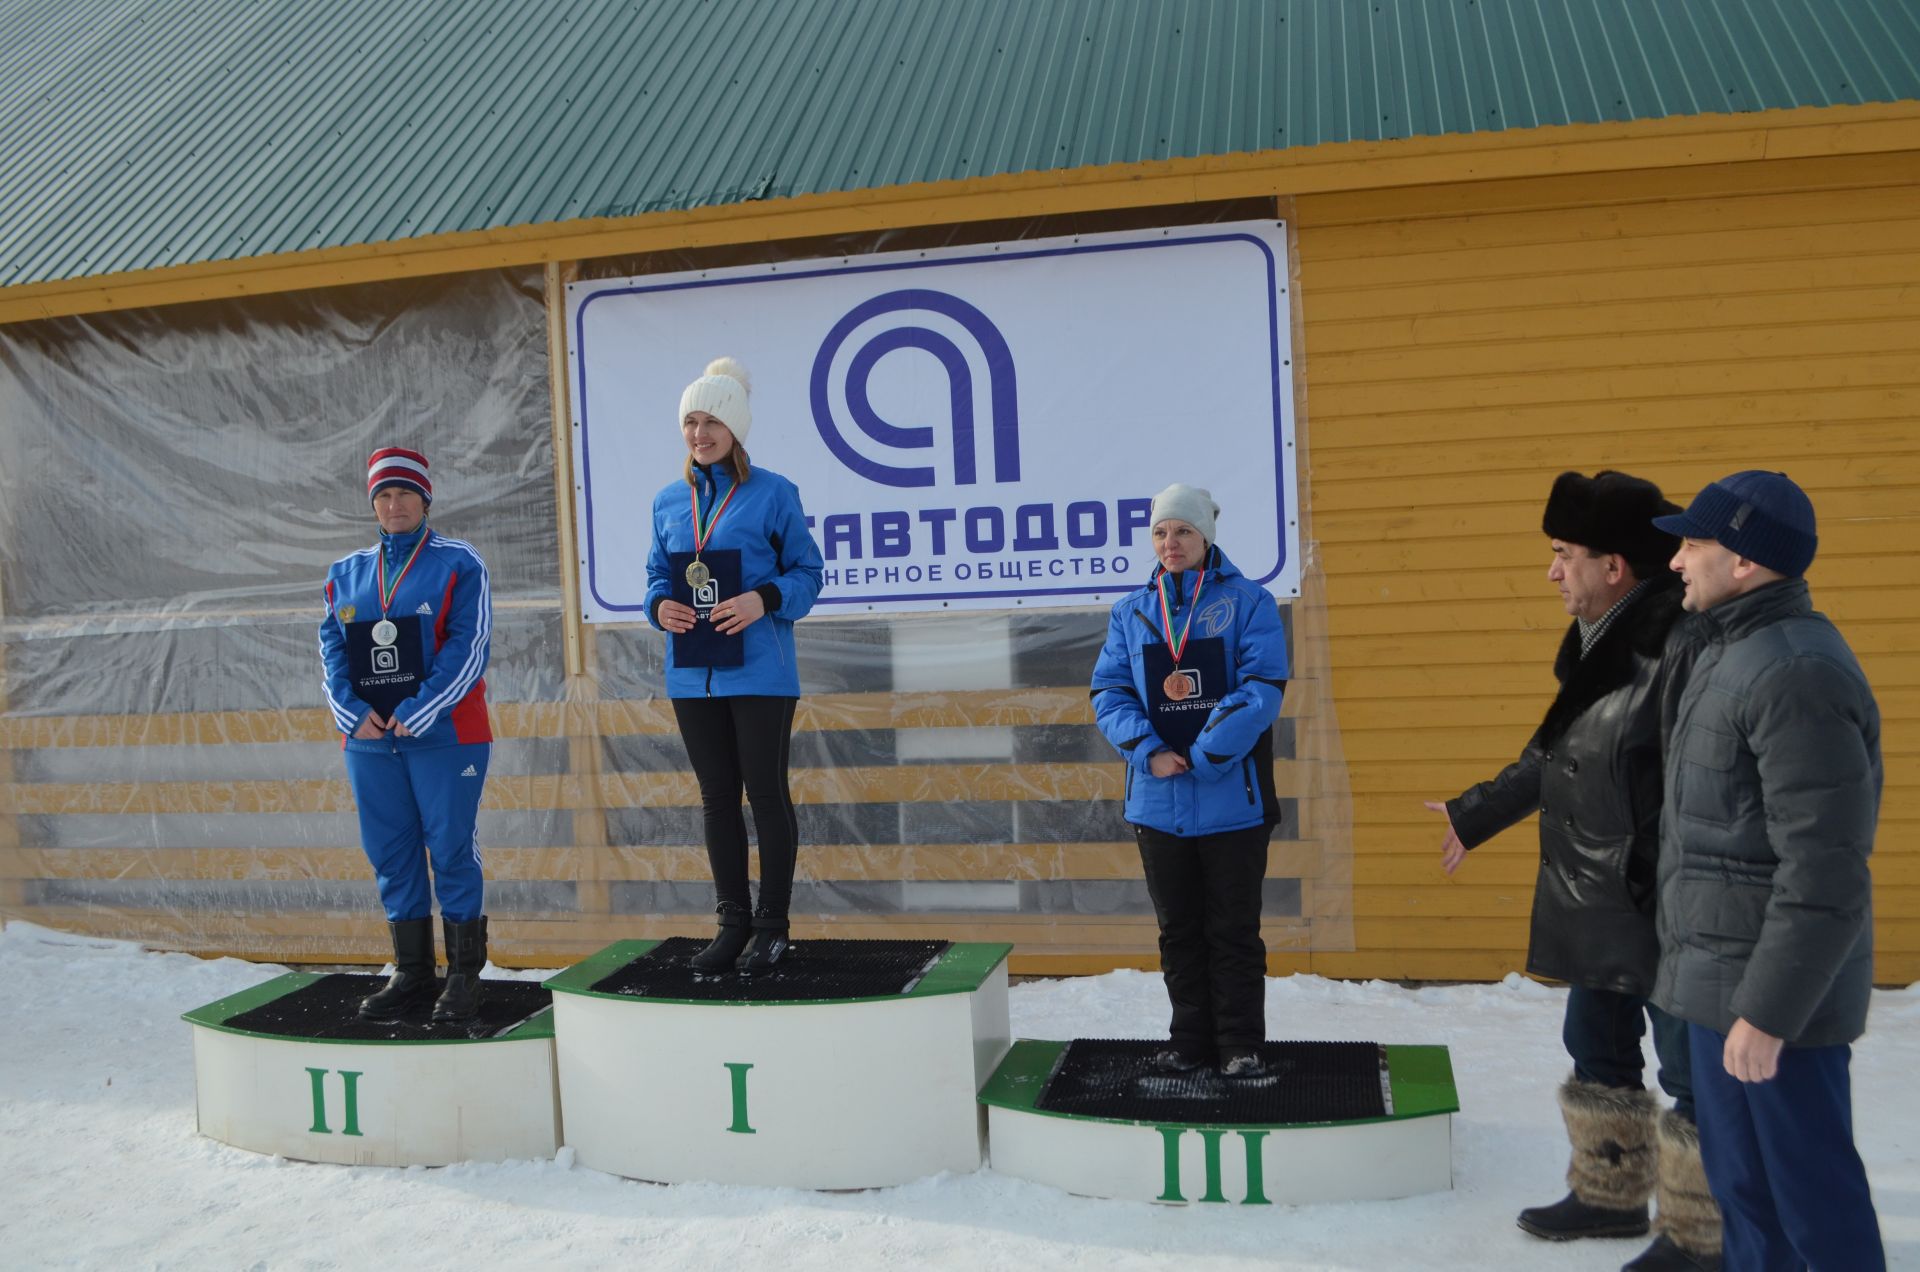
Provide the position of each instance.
(447, 589)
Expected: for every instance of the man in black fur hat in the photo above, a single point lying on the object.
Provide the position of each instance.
(1593, 773)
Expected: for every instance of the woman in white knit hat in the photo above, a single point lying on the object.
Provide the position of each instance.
(732, 568)
(1187, 689)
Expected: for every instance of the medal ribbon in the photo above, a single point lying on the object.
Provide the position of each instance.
(1166, 615)
(387, 593)
(700, 536)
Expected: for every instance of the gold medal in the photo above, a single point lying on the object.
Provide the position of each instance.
(698, 575)
(1177, 687)
(385, 633)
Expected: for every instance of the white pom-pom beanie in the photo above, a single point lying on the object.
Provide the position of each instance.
(1189, 504)
(721, 393)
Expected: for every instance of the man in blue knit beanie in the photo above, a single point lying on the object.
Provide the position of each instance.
(1765, 909)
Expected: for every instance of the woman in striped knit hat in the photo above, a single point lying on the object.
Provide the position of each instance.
(404, 642)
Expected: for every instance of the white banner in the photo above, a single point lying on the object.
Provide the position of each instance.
(976, 427)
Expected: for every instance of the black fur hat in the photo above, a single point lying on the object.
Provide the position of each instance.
(1612, 512)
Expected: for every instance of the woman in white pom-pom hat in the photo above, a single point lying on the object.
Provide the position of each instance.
(732, 568)
(1187, 689)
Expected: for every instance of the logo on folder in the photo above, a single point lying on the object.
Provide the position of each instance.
(386, 659)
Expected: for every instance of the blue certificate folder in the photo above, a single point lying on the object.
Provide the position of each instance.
(384, 676)
(1204, 665)
(703, 646)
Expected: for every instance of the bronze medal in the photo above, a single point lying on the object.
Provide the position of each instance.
(1176, 686)
(698, 575)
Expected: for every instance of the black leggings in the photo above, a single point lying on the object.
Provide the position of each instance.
(736, 742)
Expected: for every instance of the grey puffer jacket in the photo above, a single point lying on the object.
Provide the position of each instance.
(1592, 771)
(1772, 795)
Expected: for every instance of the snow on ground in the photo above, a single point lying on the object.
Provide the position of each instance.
(101, 1167)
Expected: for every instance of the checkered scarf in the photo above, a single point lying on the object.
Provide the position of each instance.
(1590, 633)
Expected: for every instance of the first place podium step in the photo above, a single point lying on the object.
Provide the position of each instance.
(854, 1064)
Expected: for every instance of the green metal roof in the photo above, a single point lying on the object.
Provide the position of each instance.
(137, 134)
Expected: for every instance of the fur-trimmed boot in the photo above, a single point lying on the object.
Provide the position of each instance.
(1612, 1168)
(1687, 1227)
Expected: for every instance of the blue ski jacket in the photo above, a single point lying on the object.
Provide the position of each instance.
(1230, 786)
(778, 558)
(448, 591)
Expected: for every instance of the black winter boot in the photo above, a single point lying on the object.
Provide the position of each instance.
(769, 944)
(1612, 1168)
(1570, 1219)
(412, 982)
(736, 928)
(466, 955)
(1241, 1062)
(1664, 1255)
(1180, 1056)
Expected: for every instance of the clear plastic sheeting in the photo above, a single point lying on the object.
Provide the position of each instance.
(173, 485)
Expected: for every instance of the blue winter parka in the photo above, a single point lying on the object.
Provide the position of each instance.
(1230, 786)
(766, 525)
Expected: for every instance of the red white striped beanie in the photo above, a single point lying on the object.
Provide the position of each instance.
(398, 466)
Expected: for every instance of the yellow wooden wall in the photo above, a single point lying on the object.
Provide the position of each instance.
(1465, 343)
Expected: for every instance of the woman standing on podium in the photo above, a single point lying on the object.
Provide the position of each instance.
(404, 643)
(732, 568)
(1187, 689)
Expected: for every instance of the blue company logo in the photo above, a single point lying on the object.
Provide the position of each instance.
(1214, 618)
(1001, 398)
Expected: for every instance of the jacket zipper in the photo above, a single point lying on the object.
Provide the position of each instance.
(1246, 775)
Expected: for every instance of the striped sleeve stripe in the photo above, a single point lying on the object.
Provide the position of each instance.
(341, 717)
(345, 719)
(462, 684)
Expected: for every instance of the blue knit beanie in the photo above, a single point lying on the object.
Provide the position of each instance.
(1762, 516)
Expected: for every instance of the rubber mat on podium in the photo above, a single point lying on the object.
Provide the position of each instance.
(330, 1006)
(1303, 1083)
(811, 971)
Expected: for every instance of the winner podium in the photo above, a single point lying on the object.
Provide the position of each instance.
(853, 1064)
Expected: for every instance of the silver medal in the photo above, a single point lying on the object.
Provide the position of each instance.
(385, 633)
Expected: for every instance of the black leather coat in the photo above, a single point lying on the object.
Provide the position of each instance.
(1593, 773)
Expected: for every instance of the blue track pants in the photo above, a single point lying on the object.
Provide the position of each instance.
(417, 804)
